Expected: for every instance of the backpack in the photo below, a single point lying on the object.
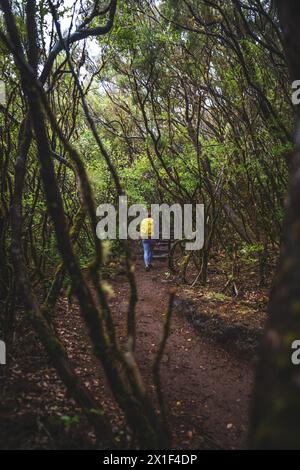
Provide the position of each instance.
(147, 228)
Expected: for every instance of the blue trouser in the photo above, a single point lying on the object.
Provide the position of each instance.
(148, 251)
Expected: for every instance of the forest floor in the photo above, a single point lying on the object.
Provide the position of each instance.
(207, 386)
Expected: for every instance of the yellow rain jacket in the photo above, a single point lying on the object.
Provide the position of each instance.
(147, 228)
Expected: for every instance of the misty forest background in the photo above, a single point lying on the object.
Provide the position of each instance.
(175, 101)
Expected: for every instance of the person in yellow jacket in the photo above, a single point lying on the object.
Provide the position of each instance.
(148, 236)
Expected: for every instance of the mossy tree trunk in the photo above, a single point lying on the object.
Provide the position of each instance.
(276, 402)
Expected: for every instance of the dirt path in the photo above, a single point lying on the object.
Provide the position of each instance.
(207, 390)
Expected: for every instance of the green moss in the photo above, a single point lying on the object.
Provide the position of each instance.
(56, 345)
(95, 412)
(295, 307)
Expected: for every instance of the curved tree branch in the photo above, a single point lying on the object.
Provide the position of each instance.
(82, 32)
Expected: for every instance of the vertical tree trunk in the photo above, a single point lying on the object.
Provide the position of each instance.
(276, 404)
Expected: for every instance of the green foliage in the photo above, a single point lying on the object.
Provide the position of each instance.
(70, 421)
(187, 113)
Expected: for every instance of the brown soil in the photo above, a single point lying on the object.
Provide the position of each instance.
(207, 390)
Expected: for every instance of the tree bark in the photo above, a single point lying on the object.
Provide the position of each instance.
(276, 403)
